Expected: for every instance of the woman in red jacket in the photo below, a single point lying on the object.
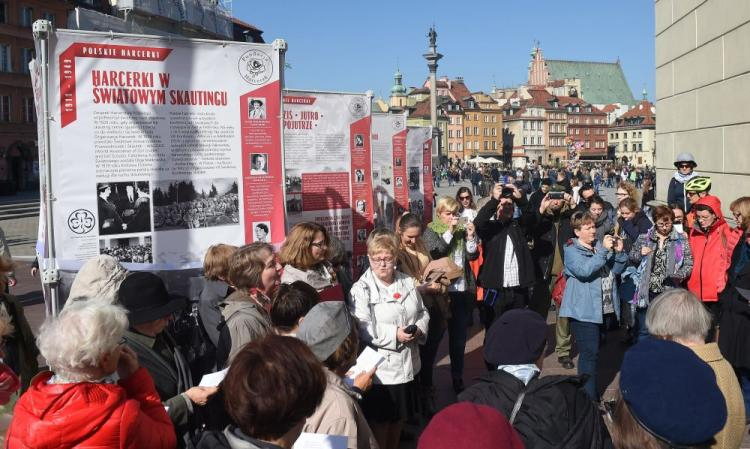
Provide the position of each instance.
(711, 242)
(96, 395)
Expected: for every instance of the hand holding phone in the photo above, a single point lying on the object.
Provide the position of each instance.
(410, 329)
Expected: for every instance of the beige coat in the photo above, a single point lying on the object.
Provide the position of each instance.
(730, 436)
(246, 321)
(339, 414)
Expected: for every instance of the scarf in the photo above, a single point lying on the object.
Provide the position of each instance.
(459, 235)
(679, 177)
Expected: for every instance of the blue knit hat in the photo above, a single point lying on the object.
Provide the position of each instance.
(672, 393)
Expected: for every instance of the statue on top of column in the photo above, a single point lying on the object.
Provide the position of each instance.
(433, 36)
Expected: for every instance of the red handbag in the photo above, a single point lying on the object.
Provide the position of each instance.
(558, 289)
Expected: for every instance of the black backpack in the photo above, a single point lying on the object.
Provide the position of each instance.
(192, 340)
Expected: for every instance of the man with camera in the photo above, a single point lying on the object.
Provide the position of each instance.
(550, 230)
(508, 269)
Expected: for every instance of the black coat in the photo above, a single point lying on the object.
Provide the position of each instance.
(555, 413)
(546, 236)
(734, 338)
(494, 235)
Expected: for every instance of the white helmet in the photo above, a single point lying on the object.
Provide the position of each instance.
(685, 157)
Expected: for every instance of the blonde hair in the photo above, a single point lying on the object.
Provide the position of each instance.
(216, 262)
(742, 206)
(382, 240)
(447, 203)
(630, 188)
(296, 249)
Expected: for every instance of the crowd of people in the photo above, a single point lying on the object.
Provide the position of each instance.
(125, 356)
(199, 213)
(131, 253)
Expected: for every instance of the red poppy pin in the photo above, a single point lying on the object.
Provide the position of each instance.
(397, 295)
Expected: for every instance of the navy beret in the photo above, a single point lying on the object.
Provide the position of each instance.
(672, 392)
(518, 337)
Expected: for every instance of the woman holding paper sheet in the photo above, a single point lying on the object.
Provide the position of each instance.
(393, 320)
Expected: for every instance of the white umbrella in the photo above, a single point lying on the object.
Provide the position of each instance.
(477, 160)
(492, 160)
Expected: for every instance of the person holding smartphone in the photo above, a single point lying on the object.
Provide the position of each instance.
(590, 290)
(448, 237)
(508, 271)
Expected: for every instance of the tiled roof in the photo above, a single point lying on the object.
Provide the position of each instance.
(556, 83)
(564, 101)
(609, 108)
(419, 90)
(601, 82)
(643, 110)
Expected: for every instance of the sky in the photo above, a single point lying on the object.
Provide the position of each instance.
(354, 46)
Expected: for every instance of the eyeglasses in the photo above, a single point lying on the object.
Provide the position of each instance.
(664, 225)
(684, 165)
(319, 245)
(382, 261)
(462, 198)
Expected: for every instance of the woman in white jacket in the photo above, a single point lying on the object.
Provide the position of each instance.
(393, 320)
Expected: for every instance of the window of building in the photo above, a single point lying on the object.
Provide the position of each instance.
(458, 133)
(458, 120)
(468, 131)
(450, 133)
(458, 146)
(587, 131)
(5, 108)
(494, 132)
(640, 133)
(27, 16)
(476, 130)
(588, 144)
(27, 54)
(494, 118)
(450, 147)
(577, 131)
(624, 146)
(476, 116)
(485, 132)
(476, 144)
(5, 61)
(468, 117)
(3, 12)
(624, 135)
(486, 145)
(525, 140)
(525, 125)
(29, 114)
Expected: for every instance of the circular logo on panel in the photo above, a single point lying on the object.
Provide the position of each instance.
(81, 221)
(398, 124)
(255, 67)
(357, 107)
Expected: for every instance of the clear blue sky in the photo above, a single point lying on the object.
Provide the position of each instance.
(353, 46)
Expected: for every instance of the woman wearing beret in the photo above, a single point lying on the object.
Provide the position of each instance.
(393, 320)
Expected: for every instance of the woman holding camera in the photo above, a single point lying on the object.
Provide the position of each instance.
(393, 320)
(590, 291)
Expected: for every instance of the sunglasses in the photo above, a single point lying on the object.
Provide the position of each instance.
(684, 165)
(464, 198)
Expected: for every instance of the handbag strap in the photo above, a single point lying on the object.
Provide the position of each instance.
(517, 406)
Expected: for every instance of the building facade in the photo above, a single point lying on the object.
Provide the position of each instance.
(587, 128)
(702, 77)
(19, 169)
(632, 137)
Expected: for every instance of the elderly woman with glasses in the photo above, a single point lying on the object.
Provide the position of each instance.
(455, 237)
(664, 261)
(393, 320)
(95, 395)
(305, 256)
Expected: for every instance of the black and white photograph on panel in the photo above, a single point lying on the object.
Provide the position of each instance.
(414, 178)
(123, 207)
(128, 249)
(293, 182)
(195, 203)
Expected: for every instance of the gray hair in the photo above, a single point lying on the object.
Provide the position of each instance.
(76, 340)
(678, 314)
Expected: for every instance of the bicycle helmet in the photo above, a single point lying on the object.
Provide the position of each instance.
(698, 184)
(685, 157)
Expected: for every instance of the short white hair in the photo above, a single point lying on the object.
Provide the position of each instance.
(678, 314)
(76, 340)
